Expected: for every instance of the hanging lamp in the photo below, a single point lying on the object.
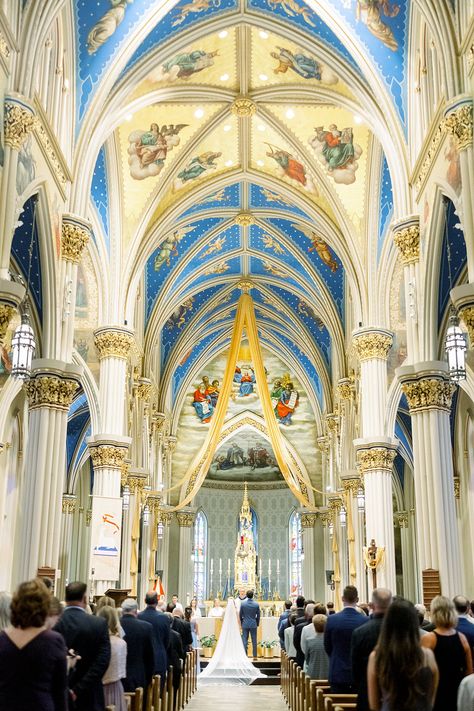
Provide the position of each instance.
(23, 341)
(455, 343)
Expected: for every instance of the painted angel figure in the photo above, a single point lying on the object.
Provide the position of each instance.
(107, 25)
(148, 150)
(319, 246)
(370, 11)
(337, 150)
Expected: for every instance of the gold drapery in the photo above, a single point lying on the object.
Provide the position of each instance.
(194, 478)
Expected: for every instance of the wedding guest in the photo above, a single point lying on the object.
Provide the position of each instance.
(401, 675)
(33, 670)
(5, 602)
(176, 656)
(161, 633)
(188, 616)
(217, 610)
(451, 650)
(299, 627)
(316, 659)
(282, 621)
(289, 632)
(54, 613)
(330, 608)
(176, 603)
(102, 602)
(195, 608)
(88, 637)
(183, 628)
(139, 641)
(117, 669)
(466, 694)
(464, 625)
(309, 631)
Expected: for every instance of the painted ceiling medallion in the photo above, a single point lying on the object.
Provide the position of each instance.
(244, 219)
(243, 107)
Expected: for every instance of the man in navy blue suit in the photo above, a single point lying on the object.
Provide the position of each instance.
(161, 633)
(250, 619)
(465, 625)
(337, 641)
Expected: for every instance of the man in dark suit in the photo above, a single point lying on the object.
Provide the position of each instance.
(176, 657)
(140, 655)
(337, 641)
(465, 625)
(300, 603)
(161, 633)
(250, 619)
(299, 626)
(363, 641)
(282, 621)
(88, 636)
(181, 626)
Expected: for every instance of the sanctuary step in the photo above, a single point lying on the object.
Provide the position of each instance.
(269, 667)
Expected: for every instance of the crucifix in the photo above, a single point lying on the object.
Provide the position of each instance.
(373, 557)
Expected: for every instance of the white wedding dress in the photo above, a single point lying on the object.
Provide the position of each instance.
(229, 663)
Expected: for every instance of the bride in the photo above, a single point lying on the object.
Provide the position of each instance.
(230, 664)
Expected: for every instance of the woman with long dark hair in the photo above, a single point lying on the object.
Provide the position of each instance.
(401, 676)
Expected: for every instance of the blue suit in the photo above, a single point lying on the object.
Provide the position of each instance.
(467, 629)
(161, 638)
(249, 619)
(337, 643)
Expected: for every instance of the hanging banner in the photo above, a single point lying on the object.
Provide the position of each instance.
(106, 535)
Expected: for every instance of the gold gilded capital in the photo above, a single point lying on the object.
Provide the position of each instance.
(407, 239)
(69, 503)
(457, 487)
(372, 344)
(144, 389)
(323, 444)
(18, 121)
(244, 219)
(351, 484)
(108, 455)
(243, 107)
(375, 459)
(74, 238)
(308, 520)
(50, 391)
(113, 343)
(402, 518)
(345, 388)
(428, 394)
(458, 123)
(466, 313)
(185, 519)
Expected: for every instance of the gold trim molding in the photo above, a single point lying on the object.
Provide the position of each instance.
(375, 459)
(372, 344)
(50, 391)
(74, 238)
(458, 124)
(402, 518)
(428, 394)
(6, 314)
(113, 343)
(308, 520)
(243, 107)
(19, 122)
(244, 219)
(466, 314)
(457, 487)
(407, 239)
(69, 503)
(351, 483)
(185, 519)
(108, 455)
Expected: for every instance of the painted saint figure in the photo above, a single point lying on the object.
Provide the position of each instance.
(213, 392)
(202, 404)
(246, 383)
(287, 404)
(198, 165)
(184, 65)
(148, 150)
(304, 66)
(276, 392)
(369, 12)
(337, 150)
(291, 167)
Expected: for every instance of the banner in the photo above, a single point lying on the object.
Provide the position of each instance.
(106, 535)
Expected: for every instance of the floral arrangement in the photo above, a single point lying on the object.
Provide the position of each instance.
(208, 641)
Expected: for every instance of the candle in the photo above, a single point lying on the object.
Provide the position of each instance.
(269, 566)
(212, 565)
(220, 566)
(260, 567)
(278, 566)
(228, 567)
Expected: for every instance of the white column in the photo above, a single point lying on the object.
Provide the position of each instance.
(162, 557)
(185, 580)
(75, 235)
(326, 517)
(335, 503)
(69, 505)
(406, 235)
(409, 584)
(429, 392)
(351, 485)
(19, 122)
(50, 392)
(308, 521)
(375, 451)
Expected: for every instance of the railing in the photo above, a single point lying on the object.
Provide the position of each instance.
(162, 699)
(302, 693)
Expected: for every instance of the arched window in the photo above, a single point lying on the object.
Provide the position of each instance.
(200, 556)
(295, 554)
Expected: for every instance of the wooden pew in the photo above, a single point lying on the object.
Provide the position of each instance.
(333, 700)
(135, 699)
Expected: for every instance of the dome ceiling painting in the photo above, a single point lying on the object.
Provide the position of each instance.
(251, 143)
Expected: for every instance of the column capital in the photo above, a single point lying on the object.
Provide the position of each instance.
(75, 234)
(351, 483)
(108, 452)
(136, 482)
(332, 422)
(458, 122)
(457, 487)
(463, 299)
(324, 516)
(406, 235)
(143, 389)
(69, 503)
(186, 518)
(402, 518)
(426, 386)
(308, 519)
(52, 384)
(164, 516)
(170, 443)
(345, 388)
(19, 120)
(334, 503)
(372, 342)
(322, 444)
(114, 341)
(375, 456)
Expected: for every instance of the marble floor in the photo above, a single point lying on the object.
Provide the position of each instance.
(243, 698)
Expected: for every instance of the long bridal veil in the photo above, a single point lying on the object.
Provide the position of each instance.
(229, 664)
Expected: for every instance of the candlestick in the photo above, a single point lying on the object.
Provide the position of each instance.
(228, 567)
(220, 566)
(260, 568)
(212, 565)
(269, 566)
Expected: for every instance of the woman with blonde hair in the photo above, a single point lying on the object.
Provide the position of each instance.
(117, 669)
(451, 651)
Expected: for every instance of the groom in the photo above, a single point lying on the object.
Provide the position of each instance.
(249, 619)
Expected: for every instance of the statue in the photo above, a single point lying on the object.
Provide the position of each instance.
(245, 553)
(373, 558)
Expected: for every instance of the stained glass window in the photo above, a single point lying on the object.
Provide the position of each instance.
(295, 554)
(200, 556)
